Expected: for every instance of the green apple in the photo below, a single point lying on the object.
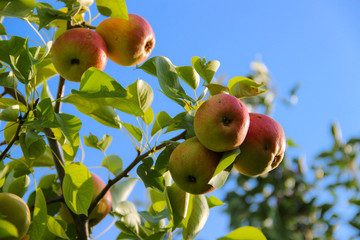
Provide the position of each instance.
(100, 211)
(221, 122)
(15, 211)
(77, 49)
(129, 42)
(192, 165)
(263, 148)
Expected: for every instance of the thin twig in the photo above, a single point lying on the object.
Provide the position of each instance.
(125, 173)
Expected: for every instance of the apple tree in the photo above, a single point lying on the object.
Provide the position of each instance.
(68, 201)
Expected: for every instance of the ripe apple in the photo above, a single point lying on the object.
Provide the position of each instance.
(129, 42)
(100, 211)
(192, 165)
(77, 49)
(221, 122)
(263, 148)
(16, 211)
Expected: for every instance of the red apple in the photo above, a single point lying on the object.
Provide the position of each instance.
(191, 166)
(100, 211)
(129, 42)
(221, 123)
(263, 148)
(77, 49)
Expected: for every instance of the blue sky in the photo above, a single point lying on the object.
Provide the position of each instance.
(316, 43)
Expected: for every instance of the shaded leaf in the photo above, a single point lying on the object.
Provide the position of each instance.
(189, 76)
(242, 87)
(113, 163)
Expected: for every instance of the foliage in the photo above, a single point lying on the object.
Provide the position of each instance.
(286, 204)
(47, 139)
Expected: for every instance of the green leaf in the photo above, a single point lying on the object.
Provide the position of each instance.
(198, 212)
(121, 190)
(8, 102)
(113, 163)
(189, 76)
(56, 228)
(47, 181)
(78, 188)
(178, 201)
(244, 233)
(149, 176)
(94, 108)
(44, 70)
(16, 185)
(93, 141)
(216, 89)
(70, 140)
(214, 202)
(129, 217)
(223, 169)
(2, 29)
(16, 8)
(242, 87)
(46, 115)
(141, 94)
(158, 200)
(15, 52)
(114, 8)
(134, 131)
(10, 114)
(7, 79)
(97, 84)
(184, 120)
(206, 70)
(165, 71)
(39, 218)
(148, 117)
(162, 161)
(32, 145)
(162, 121)
(47, 14)
(7, 230)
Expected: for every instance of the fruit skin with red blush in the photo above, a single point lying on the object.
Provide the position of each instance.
(76, 50)
(263, 148)
(221, 122)
(130, 41)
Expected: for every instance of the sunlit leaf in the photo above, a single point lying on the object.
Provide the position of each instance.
(162, 120)
(56, 228)
(113, 163)
(93, 141)
(7, 230)
(78, 188)
(242, 87)
(134, 131)
(197, 215)
(115, 8)
(189, 76)
(214, 202)
(216, 89)
(206, 70)
(244, 233)
(178, 201)
(39, 218)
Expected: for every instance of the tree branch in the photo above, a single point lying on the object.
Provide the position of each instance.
(129, 168)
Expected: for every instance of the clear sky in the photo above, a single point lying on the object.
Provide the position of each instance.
(316, 43)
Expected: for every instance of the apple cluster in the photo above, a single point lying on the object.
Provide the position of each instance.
(221, 124)
(126, 42)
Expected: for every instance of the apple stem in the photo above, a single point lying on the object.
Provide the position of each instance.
(125, 173)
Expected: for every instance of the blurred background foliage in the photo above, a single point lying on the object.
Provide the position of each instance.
(301, 199)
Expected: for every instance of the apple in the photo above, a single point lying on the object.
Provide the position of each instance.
(221, 122)
(263, 148)
(192, 165)
(15, 211)
(77, 49)
(129, 42)
(100, 211)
